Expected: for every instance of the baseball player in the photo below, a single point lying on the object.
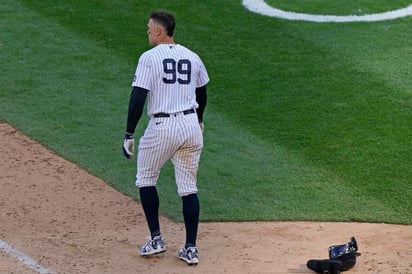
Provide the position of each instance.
(174, 79)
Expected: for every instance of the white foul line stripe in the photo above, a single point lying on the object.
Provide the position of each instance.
(23, 258)
(261, 7)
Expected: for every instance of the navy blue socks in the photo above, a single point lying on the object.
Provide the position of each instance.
(191, 209)
(150, 203)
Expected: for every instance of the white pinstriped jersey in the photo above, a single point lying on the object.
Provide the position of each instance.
(171, 73)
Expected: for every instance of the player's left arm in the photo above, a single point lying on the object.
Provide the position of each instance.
(201, 99)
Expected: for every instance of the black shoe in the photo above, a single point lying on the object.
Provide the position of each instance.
(325, 266)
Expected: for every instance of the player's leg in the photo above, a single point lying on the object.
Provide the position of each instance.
(150, 203)
(186, 173)
(191, 210)
(153, 152)
(186, 160)
(186, 163)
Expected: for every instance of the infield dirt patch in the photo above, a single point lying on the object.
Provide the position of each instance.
(72, 222)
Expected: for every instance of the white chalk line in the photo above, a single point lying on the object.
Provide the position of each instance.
(23, 258)
(261, 7)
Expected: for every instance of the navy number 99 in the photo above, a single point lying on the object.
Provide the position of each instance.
(180, 71)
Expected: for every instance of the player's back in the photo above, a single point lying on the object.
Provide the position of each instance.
(173, 72)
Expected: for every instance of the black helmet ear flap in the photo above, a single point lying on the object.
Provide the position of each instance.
(337, 251)
(341, 258)
(345, 253)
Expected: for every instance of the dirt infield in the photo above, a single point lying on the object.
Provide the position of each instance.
(69, 221)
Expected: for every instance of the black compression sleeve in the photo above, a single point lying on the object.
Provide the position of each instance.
(136, 104)
(201, 98)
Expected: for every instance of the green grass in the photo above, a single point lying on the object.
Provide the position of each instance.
(305, 121)
(347, 7)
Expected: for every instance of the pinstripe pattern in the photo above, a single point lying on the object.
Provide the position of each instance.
(163, 97)
(171, 73)
(178, 138)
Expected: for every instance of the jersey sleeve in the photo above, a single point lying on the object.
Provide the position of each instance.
(203, 77)
(143, 76)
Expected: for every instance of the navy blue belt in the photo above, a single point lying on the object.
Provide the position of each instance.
(163, 115)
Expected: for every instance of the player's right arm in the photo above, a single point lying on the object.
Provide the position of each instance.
(136, 104)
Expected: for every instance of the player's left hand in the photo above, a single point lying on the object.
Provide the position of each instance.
(202, 126)
(128, 146)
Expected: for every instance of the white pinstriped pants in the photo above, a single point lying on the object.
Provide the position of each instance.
(178, 138)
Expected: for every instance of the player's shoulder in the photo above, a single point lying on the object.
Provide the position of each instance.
(169, 50)
(189, 51)
(190, 54)
(159, 50)
(148, 54)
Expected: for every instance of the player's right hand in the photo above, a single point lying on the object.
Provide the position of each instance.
(128, 146)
